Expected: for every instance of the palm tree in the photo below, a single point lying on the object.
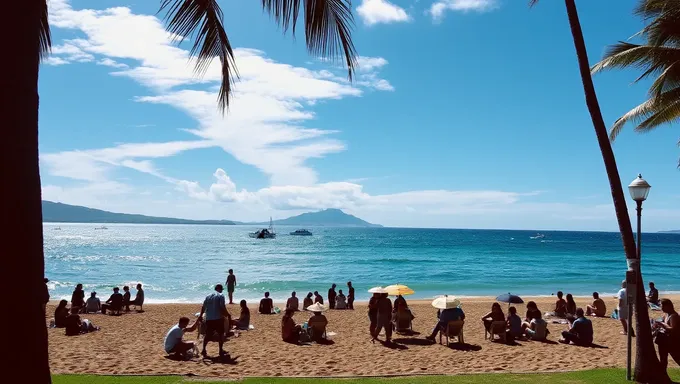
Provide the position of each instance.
(327, 23)
(647, 366)
(659, 56)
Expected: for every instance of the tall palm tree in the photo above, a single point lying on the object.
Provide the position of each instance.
(327, 23)
(659, 56)
(647, 366)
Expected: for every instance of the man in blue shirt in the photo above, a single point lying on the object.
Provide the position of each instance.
(215, 311)
(581, 331)
(449, 314)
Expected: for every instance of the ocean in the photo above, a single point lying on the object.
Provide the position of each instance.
(182, 263)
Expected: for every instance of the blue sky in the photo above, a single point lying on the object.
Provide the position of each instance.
(464, 114)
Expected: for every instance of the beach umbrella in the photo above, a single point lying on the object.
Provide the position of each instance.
(317, 307)
(445, 302)
(510, 299)
(398, 289)
(377, 290)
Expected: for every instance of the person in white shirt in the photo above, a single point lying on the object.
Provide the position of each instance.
(537, 329)
(93, 304)
(293, 302)
(623, 307)
(173, 339)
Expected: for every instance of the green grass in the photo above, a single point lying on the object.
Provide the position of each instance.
(610, 376)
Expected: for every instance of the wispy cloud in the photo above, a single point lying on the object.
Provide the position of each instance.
(438, 9)
(381, 12)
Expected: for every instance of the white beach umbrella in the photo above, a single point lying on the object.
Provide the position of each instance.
(377, 290)
(317, 307)
(445, 302)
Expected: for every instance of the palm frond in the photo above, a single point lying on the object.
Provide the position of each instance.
(204, 19)
(666, 110)
(669, 79)
(623, 54)
(328, 26)
(636, 114)
(45, 35)
(532, 3)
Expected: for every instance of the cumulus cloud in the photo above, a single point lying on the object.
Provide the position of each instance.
(381, 12)
(438, 9)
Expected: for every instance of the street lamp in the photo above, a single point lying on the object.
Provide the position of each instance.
(639, 189)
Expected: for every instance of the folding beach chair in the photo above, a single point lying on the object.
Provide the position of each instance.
(453, 329)
(497, 328)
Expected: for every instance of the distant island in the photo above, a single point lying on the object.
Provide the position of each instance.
(324, 218)
(65, 213)
(671, 231)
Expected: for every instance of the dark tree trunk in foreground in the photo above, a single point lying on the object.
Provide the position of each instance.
(647, 366)
(21, 237)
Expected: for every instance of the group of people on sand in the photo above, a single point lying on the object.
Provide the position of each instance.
(336, 300)
(69, 318)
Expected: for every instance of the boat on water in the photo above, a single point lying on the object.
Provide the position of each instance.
(265, 233)
(538, 236)
(57, 229)
(102, 227)
(301, 232)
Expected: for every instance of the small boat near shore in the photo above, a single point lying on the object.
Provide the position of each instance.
(102, 227)
(301, 232)
(265, 233)
(538, 236)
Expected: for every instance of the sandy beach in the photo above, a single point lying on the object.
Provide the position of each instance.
(133, 344)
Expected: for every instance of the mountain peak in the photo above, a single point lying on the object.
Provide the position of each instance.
(329, 217)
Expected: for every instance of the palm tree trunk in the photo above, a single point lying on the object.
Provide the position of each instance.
(647, 366)
(21, 211)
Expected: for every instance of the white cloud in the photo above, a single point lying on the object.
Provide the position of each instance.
(381, 11)
(52, 60)
(71, 52)
(111, 63)
(367, 64)
(271, 101)
(438, 9)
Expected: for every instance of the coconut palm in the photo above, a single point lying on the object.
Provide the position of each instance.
(647, 366)
(659, 56)
(327, 25)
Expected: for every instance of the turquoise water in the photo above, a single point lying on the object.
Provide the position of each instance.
(181, 263)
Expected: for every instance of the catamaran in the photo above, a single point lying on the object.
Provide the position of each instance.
(265, 233)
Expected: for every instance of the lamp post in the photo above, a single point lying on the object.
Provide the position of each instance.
(639, 189)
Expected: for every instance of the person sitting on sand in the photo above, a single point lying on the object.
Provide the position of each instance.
(384, 318)
(653, 296)
(668, 334)
(173, 343)
(340, 300)
(598, 308)
(93, 304)
(139, 297)
(317, 326)
(402, 317)
(399, 299)
(293, 302)
(290, 332)
(332, 296)
(126, 298)
(243, 321)
(114, 303)
(580, 332)
(496, 314)
(449, 314)
(514, 323)
(560, 305)
(77, 299)
(532, 312)
(266, 305)
(60, 314)
(571, 306)
(74, 326)
(318, 298)
(537, 329)
(307, 301)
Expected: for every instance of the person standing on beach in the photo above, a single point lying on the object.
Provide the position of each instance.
(350, 296)
(46, 297)
(215, 311)
(373, 312)
(623, 307)
(384, 318)
(331, 297)
(77, 299)
(231, 285)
